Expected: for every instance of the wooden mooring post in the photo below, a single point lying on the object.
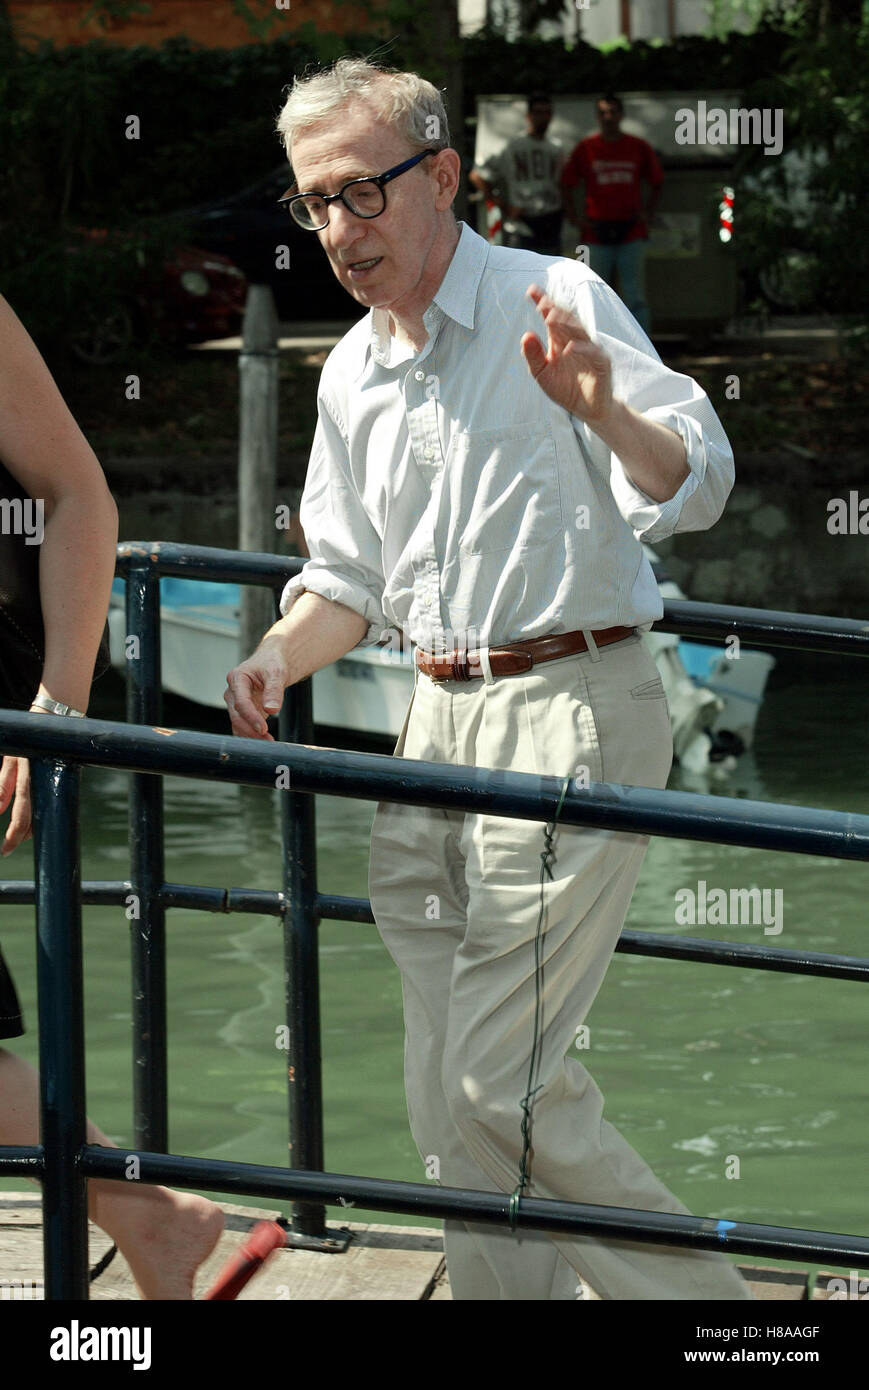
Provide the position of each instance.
(258, 367)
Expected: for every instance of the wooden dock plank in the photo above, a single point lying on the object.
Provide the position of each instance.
(768, 1283)
(853, 1285)
(382, 1263)
(440, 1289)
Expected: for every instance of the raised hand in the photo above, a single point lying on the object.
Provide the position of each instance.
(573, 371)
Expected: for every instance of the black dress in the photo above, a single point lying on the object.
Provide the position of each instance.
(20, 661)
(11, 1023)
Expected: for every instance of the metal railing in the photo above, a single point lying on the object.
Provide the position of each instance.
(64, 1160)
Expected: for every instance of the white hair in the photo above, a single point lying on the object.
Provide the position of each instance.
(404, 99)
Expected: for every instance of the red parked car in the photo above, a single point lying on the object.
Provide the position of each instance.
(187, 297)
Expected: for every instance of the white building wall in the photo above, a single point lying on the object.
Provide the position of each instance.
(472, 16)
(599, 21)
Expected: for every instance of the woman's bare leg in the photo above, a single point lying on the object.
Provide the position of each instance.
(163, 1235)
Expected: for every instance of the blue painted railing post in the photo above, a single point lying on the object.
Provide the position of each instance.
(55, 789)
(301, 966)
(147, 910)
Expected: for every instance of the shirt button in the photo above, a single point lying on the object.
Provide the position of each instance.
(428, 453)
(419, 375)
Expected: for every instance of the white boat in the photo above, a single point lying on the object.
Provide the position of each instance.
(714, 700)
(714, 693)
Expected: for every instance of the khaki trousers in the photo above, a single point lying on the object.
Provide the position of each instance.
(456, 899)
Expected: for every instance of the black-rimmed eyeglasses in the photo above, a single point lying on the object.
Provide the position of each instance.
(364, 197)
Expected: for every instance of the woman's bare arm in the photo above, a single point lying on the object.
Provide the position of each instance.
(44, 449)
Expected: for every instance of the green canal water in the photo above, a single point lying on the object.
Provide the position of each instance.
(700, 1064)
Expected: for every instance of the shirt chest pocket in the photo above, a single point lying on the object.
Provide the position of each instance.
(503, 489)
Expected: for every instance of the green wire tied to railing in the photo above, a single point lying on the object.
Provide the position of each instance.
(525, 1103)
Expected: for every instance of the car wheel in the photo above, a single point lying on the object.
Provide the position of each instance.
(103, 336)
(791, 281)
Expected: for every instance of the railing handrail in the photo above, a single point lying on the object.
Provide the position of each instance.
(376, 776)
(491, 1208)
(707, 622)
(171, 558)
(60, 748)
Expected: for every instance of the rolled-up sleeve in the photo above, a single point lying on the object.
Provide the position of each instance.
(642, 381)
(345, 564)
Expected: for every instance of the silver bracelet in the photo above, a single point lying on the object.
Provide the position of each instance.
(45, 702)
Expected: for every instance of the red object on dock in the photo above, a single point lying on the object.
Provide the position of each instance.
(265, 1238)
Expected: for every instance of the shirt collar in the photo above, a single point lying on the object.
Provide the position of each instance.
(455, 297)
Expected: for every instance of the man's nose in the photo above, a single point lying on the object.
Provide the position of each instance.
(344, 226)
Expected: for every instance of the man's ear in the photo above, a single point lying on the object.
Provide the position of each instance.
(447, 172)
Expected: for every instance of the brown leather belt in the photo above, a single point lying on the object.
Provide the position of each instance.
(515, 659)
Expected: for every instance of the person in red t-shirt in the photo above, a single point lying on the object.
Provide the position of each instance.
(613, 167)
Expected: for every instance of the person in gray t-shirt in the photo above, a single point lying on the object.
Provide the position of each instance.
(527, 175)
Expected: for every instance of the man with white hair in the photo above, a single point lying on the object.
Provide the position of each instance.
(492, 510)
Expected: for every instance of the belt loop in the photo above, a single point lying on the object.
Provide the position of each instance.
(592, 645)
(485, 665)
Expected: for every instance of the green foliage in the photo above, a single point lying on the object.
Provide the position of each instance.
(689, 62)
(260, 24)
(814, 201)
(106, 12)
(856, 346)
(520, 19)
(728, 16)
(207, 120)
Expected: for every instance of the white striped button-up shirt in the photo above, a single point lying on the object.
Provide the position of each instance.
(448, 497)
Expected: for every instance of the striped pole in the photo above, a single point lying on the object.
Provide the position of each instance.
(493, 222)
